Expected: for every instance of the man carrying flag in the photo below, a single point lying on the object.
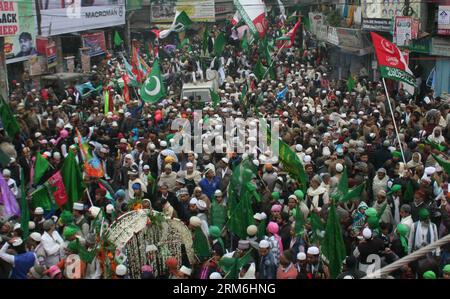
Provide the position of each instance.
(287, 41)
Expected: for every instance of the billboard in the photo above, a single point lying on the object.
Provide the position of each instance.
(9, 14)
(95, 42)
(444, 20)
(163, 11)
(58, 18)
(22, 44)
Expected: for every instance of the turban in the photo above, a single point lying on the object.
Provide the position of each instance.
(371, 212)
(70, 231)
(214, 232)
(429, 275)
(424, 214)
(275, 195)
(272, 227)
(172, 263)
(66, 217)
(299, 194)
(276, 208)
(403, 232)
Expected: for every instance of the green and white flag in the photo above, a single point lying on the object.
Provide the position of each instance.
(180, 23)
(153, 88)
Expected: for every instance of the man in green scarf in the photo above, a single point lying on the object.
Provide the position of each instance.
(217, 243)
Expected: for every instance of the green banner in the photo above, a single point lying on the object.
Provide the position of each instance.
(397, 74)
(420, 46)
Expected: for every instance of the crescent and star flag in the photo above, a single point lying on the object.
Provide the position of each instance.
(253, 12)
(153, 88)
(288, 39)
(392, 63)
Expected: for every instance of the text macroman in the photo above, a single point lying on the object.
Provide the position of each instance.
(102, 13)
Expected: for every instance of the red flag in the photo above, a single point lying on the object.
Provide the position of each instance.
(392, 63)
(156, 32)
(289, 43)
(135, 63)
(59, 190)
(126, 91)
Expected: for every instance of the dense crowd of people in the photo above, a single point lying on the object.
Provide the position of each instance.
(331, 128)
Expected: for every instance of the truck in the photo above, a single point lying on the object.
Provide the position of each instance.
(199, 91)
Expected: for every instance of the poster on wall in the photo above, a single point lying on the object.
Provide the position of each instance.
(9, 14)
(444, 20)
(162, 11)
(199, 10)
(403, 31)
(51, 56)
(95, 42)
(22, 44)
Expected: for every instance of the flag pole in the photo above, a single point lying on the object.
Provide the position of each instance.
(393, 119)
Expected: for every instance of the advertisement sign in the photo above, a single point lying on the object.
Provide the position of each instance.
(61, 20)
(377, 24)
(322, 32)
(95, 42)
(162, 11)
(351, 38)
(332, 37)
(199, 10)
(440, 46)
(51, 56)
(9, 14)
(223, 8)
(420, 46)
(403, 31)
(444, 20)
(21, 45)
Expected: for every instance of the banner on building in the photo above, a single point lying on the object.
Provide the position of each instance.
(351, 38)
(403, 31)
(377, 24)
(199, 10)
(332, 36)
(386, 10)
(444, 20)
(95, 42)
(51, 56)
(9, 14)
(440, 46)
(20, 45)
(316, 20)
(57, 19)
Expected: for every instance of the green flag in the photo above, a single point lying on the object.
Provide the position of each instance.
(231, 265)
(333, 245)
(218, 214)
(24, 209)
(342, 187)
(292, 165)
(9, 121)
(354, 193)
(201, 244)
(205, 41)
(219, 44)
(40, 168)
(73, 180)
(444, 163)
(41, 198)
(299, 222)
(153, 88)
(215, 98)
(244, 44)
(259, 70)
(317, 228)
(117, 39)
(306, 23)
(408, 196)
(242, 216)
(182, 21)
(436, 146)
(351, 83)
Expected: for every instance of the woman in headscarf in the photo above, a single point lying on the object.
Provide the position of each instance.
(415, 161)
(436, 136)
(317, 195)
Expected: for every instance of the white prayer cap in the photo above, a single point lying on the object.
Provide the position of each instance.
(38, 211)
(264, 244)
(215, 275)
(56, 155)
(257, 216)
(304, 109)
(185, 270)
(430, 170)
(225, 160)
(152, 146)
(78, 206)
(195, 221)
(189, 164)
(307, 159)
(252, 230)
(37, 134)
(218, 193)
(367, 233)
(146, 167)
(313, 250)
(17, 242)
(339, 167)
(163, 143)
(348, 277)
(31, 225)
(326, 151)
(150, 248)
(301, 256)
(36, 236)
(128, 156)
(193, 201)
(298, 147)
(256, 162)
(94, 211)
(263, 215)
(123, 140)
(121, 270)
(201, 205)
(109, 209)
(16, 226)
